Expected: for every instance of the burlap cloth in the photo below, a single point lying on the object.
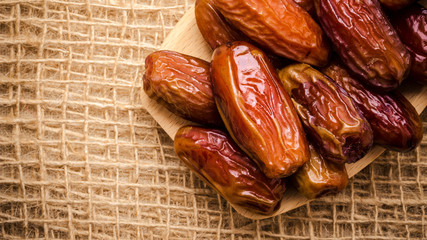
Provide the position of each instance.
(80, 158)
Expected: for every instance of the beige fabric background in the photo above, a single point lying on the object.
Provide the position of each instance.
(80, 158)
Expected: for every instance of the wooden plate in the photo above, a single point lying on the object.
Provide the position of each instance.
(186, 38)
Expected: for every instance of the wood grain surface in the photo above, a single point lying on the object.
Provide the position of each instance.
(186, 38)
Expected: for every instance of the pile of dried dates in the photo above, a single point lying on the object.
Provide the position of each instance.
(295, 90)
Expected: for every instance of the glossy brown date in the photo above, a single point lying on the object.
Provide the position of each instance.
(213, 26)
(319, 177)
(182, 84)
(411, 26)
(394, 121)
(256, 110)
(396, 4)
(279, 26)
(217, 31)
(330, 118)
(365, 40)
(216, 159)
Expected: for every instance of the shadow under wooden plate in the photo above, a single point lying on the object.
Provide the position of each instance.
(186, 38)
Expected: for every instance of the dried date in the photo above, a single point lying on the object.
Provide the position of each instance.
(365, 40)
(217, 31)
(279, 26)
(394, 121)
(331, 119)
(182, 84)
(411, 26)
(256, 110)
(319, 177)
(216, 159)
(213, 26)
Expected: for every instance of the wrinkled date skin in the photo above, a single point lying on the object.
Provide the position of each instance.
(365, 40)
(329, 116)
(279, 26)
(319, 177)
(217, 160)
(256, 110)
(217, 31)
(394, 121)
(411, 26)
(182, 84)
(213, 26)
(396, 4)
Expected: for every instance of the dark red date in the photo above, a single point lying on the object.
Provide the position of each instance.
(393, 119)
(411, 26)
(216, 159)
(365, 41)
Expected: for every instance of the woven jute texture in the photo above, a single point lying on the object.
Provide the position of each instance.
(80, 158)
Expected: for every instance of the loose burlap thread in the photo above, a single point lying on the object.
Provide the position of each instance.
(80, 158)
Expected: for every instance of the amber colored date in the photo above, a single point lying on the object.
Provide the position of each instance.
(396, 4)
(217, 160)
(329, 116)
(365, 40)
(394, 121)
(279, 26)
(256, 110)
(411, 26)
(214, 28)
(182, 84)
(319, 177)
(217, 31)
